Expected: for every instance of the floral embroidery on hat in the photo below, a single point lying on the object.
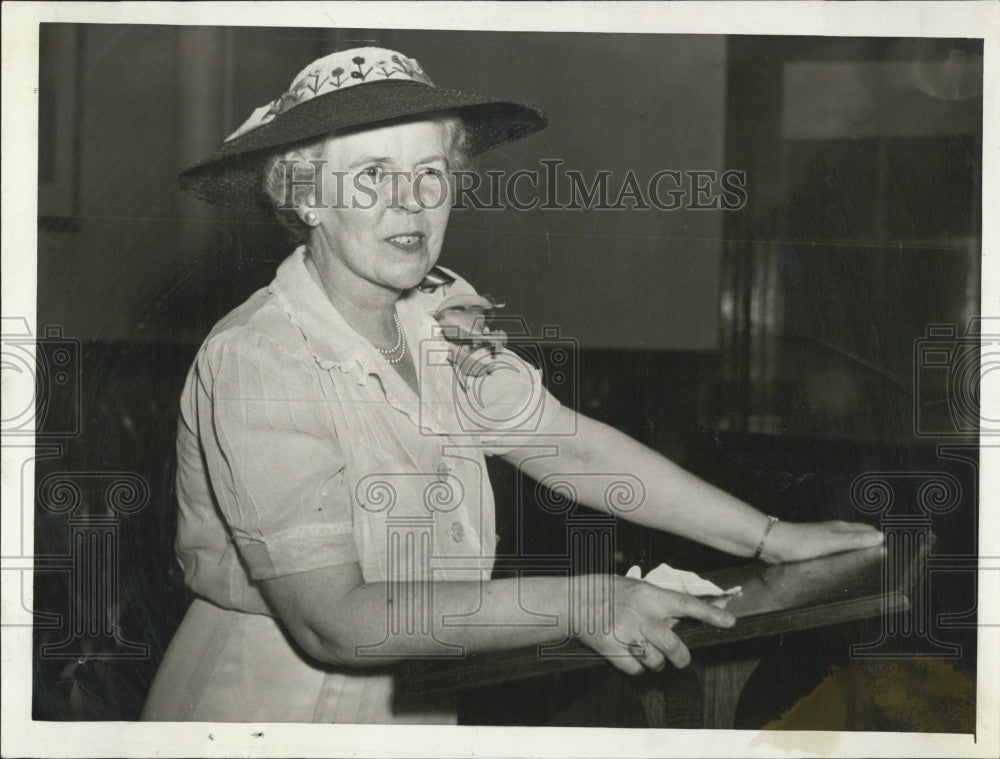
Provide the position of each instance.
(361, 74)
(336, 71)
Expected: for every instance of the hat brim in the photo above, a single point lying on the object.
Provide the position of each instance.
(232, 175)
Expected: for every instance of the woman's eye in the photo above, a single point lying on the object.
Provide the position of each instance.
(373, 172)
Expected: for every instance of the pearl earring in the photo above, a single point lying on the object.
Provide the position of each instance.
(311, 218)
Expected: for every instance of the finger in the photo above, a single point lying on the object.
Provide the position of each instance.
(655, 660)
(867, 537)
(721, 602)
(671, 647)
(840, 526)
(616, 652)
(652, 658)
(674, 604)
(626, 662)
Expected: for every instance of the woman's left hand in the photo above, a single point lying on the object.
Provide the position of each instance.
(796, 541)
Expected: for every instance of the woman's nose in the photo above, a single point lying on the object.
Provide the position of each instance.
(406, 195)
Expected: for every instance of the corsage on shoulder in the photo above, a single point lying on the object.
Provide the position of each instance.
(464, 325)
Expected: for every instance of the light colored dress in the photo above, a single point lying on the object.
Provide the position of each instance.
(300, 448)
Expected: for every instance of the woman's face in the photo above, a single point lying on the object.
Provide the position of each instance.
(386, 206)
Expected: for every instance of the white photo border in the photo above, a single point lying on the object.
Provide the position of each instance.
(23, 737)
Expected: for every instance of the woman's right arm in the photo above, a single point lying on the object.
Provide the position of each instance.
(332, 614)
(275, 465)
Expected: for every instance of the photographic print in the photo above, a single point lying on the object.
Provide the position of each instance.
(389, 377)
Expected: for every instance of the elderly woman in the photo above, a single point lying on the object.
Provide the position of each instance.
(335, 514)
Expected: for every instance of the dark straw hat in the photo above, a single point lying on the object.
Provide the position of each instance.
(343, 92)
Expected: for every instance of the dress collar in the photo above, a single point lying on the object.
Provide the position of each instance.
(332, 342)
(330, 339)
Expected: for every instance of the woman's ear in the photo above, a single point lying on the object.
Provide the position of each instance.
(308, 215)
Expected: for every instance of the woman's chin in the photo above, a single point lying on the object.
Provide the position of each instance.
(407, 280)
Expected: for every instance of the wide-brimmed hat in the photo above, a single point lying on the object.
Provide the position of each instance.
(343, 92)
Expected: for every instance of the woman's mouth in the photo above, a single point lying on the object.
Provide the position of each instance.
(410, 242)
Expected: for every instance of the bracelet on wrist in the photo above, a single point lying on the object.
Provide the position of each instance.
(767, 531)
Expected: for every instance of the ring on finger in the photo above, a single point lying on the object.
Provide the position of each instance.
(637, 650)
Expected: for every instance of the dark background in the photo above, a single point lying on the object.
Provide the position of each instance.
(774, 350)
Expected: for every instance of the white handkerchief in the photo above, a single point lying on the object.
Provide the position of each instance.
(665, 576)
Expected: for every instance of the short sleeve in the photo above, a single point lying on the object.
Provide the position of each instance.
(273, 456)
(510, 404)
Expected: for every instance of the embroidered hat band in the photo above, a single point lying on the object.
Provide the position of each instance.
(342, 92)
(337, 71)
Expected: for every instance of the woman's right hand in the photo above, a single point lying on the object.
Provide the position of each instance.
(640, 618)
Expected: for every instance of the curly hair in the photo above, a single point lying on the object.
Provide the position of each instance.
(286, 190)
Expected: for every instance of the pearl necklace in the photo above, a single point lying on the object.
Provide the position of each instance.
(396, 353)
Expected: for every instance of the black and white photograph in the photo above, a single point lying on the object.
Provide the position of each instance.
(449, 379)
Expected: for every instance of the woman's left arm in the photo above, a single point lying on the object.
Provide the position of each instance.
(679, 502)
